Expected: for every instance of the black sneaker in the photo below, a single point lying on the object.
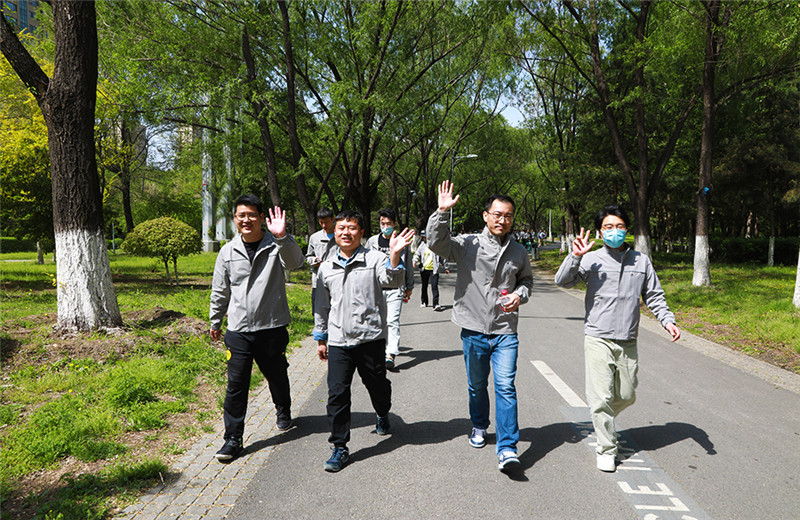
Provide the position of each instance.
(390, 362)
(338, 459)
(284, 420)
(382, 427)
(230, 450)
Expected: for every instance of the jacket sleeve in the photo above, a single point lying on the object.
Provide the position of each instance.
(439, 240)
(322, 308)
(654, 297)
(220, 292)
(290, 253)
(388, 277)
(311, 254)
(524, 280)
(569, 273)
(409, 269)
(417, 259)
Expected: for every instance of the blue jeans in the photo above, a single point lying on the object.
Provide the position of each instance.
(498, 352)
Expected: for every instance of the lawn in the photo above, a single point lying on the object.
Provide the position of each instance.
(89, 420)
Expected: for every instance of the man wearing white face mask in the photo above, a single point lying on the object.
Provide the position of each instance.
(616, 277)
(394, 297)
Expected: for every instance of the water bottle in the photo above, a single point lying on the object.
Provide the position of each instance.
(502, 300)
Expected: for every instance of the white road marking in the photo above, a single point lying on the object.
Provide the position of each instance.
(560, 386)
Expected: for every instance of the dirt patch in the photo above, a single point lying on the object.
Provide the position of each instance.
(166, 444)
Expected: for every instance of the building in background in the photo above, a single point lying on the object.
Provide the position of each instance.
(21, 14)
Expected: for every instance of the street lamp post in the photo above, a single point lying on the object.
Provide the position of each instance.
(455, 159)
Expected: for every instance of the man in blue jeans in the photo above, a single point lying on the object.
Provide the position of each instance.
(494, 279)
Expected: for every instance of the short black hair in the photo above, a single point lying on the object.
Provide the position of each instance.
(501, 198)
(612, 209)
(324, 213)
(249, 200)
(388, 213)
(349, 214)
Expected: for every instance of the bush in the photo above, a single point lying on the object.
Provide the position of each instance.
(14, 245)
(114, 244)
(165, 238)
(753, 250)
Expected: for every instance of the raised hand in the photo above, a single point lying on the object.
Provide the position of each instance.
(399, 242)
(276, 222)
(446, 200)
(581, 245)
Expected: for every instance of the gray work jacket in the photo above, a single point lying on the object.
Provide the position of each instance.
(614, 283)
(349, 308)
(486, 265)
(253, 295)
(319, 246)
(408, 283)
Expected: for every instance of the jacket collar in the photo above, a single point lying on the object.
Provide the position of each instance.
(493, 239)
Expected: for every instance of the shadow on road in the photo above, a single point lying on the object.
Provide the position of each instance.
(651, 438)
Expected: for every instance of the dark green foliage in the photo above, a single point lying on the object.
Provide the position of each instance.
(165, 238)
(746, 250)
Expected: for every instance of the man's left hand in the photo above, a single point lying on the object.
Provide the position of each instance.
(512, 302)
(276, 222)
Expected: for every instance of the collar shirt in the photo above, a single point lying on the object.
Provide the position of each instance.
(253, 294)
(349, 307)
(486, 266)
(615, 280)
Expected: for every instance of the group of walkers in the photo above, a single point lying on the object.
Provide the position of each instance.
(357, 296)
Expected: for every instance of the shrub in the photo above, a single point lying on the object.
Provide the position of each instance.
(164, 238)
(753, 250)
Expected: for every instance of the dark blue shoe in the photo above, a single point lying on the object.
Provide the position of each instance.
(284, 418)
(382, 427)
(338, 459)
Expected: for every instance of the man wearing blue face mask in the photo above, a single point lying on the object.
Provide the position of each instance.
(616, 277)
(394, 297)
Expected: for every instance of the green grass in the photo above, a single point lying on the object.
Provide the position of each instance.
(748, 307)
(84, 407)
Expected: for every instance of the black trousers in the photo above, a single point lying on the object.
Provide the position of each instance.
(268, 349)
(434, 281)
(368, 358)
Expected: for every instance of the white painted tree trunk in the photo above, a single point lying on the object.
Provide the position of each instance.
(771, 254)
(702, 261)
(796, 299)
(641, 243)
(86, 297)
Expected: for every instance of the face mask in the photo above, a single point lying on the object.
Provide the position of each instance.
(387, 231)
(614, 237)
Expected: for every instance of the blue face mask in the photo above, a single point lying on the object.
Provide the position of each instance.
(387, 231)
(614, 237)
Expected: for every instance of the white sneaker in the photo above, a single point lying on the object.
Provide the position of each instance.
(508, 461)
(476, 439)
(606, 462)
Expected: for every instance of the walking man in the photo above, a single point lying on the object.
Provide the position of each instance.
(394, 297)
(320, 244)
(249, 287)
(616, 277)
(430, 264)
(494, 279)
(350, 325)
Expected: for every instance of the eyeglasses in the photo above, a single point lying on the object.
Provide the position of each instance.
(247, 216)
(501, 217)
(609, 227)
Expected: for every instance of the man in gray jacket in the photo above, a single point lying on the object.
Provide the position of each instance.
(394, 296)
(350, 325)
(320, 244)
(616, 277)
(494, 279)
(248, 286)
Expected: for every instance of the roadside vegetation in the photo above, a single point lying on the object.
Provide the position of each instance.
(748, 308)
(89, 420)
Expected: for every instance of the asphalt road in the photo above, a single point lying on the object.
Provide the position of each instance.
(707, 438)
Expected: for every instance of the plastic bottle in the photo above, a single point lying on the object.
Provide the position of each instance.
(502, 300)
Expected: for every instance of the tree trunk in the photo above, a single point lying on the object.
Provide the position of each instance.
(39, 253)
(796, 299)
(85, 293)
(702, 265)
(125, 172)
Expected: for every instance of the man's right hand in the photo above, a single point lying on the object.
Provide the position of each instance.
(446, 200)
(215, 334)
(322, 351)
(581, 245)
